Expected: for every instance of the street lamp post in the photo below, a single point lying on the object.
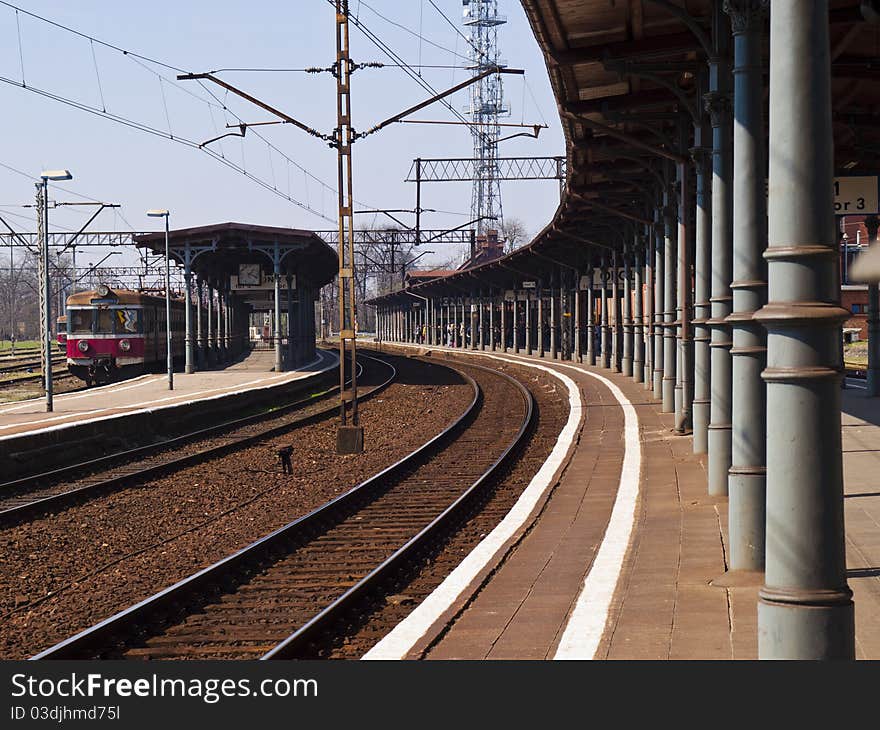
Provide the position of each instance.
(164, 214)
(46, 334)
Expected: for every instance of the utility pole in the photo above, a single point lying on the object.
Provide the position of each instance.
(45, 297)
(350, 436)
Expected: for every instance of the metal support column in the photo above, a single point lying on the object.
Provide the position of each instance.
(604, 344)
(718, 105)
(627, 356)
(515, 330)
(529, 341)
(209, 317)
(647, 308)
(702, 307)
(591, 316)
(292, 361)
(659, 296)
(540, 328)
(187, 277)
(616, 344)
(638, 327)
(276, 262)
(747, 480)
(491, 304)
(684, 401)
(464, 324)
(805, 609)
(554, 324)
(200, 331)
(227, 321)
(221, 350)
(670, 355)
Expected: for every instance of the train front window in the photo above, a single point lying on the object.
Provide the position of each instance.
(105, 321)
(127, 321)
(80, 321)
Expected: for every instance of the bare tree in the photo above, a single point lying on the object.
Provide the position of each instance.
(514, 233)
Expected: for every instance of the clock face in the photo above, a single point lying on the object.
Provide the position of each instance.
(249, 275)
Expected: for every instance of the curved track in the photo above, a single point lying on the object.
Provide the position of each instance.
(25, 498)
(276, 597)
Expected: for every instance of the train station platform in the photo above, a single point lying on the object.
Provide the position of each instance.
(149, 393)
(616, 550)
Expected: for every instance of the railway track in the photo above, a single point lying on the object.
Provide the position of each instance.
(10, 366)
(12, 382)
(281, 594)
(25, 498)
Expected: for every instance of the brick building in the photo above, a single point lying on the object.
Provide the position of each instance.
(853, 296)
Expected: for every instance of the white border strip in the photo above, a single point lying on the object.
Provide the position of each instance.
(586, 623)
(404, 636)
(279, 379)
(18, 405)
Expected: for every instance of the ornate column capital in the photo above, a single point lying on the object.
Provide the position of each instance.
(717, 103)
(746, 15)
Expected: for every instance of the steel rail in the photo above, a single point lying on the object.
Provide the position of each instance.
(35, 378)
(18, 513)
(29, 362)
(125, 622)
(309, 631)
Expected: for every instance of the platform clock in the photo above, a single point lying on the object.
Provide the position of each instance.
(249, 275)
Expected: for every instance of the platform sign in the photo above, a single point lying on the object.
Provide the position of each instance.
(855, 195)
(529, 284)
(265, 283)
(583, 284)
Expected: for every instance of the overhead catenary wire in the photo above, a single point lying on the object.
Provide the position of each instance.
(98, 75)
(356, 21)
(140, 58)
(20, 48)
(165, 135)
(387, 50)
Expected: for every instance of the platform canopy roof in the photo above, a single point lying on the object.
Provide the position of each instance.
(627, 76)
(217, 251)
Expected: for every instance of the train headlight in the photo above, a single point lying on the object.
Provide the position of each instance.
(124, 345)
(82, 345)
(103, 290)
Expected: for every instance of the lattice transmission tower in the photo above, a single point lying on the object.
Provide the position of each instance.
(482, 20)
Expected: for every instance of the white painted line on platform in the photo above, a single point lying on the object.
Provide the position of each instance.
(587, 621)
(404, 636)
(850, 383)
(124, 385)
(132, 408)
(586, 624)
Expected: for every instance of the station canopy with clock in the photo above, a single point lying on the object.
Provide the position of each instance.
(242, 259)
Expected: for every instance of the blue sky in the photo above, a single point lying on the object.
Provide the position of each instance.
(118, 164)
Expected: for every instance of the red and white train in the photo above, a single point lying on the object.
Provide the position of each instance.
(118, 333)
